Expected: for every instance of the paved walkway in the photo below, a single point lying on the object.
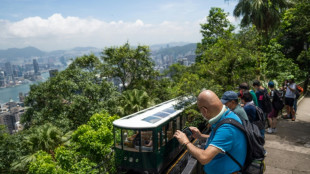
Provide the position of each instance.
(289, 149)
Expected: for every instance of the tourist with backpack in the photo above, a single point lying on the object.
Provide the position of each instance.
(277, 104)
(226, 148)
(263, 99)
(290, 96)
(255, 114)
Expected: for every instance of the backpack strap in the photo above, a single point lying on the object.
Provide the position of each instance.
(236, 124)
(229, 121)
(234, 159)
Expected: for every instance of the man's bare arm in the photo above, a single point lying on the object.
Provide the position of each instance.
(203, 156)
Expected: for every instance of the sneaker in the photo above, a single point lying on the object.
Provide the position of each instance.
(265, 153)
(269, 131)
(294, 118)
(274, 130)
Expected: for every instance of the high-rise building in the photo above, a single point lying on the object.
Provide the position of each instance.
(35, 66)
(2, 79)
(8, 69)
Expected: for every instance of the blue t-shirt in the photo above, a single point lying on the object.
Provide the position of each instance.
(230, 139)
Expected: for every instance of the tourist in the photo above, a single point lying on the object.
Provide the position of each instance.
(272, 116)
(230, 99)
(250, 109)
(228, 138)
(263, 100)
(290, 96)
(245, 87)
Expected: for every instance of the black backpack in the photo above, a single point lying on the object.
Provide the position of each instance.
(254, 162)
(277, 101)
(260, 118)
(266, 103)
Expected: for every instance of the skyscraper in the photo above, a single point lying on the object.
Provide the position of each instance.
(35, 66)
(8, 69)
(2, 79)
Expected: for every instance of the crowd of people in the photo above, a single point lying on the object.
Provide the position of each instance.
(227, 145)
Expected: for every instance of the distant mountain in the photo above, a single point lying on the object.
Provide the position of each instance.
(167, 45)
(19, 55)
(177, 50)
(84, 48)
(16, 53)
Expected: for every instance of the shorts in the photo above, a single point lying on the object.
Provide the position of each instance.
(273, 113)
(289, 101)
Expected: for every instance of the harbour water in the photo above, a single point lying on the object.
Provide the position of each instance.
(6, 94)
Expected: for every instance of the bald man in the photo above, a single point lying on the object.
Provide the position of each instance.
(227, 138)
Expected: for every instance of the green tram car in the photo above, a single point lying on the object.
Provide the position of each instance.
(144, 140)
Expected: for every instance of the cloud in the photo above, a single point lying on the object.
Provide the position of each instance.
(58, 32)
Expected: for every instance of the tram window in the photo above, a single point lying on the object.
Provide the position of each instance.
(135, 138)
(163, 136)
(130, 139)
(117, 137)
(169, 130)
(146, 141)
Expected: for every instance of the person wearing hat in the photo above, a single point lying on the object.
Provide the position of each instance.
(230, 100)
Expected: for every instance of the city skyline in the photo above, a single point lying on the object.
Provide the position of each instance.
(52, 25)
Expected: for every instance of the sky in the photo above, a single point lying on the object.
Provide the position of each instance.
(65, 24)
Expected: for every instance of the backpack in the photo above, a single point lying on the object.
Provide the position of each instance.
(298, 90)
(260, 118)
(266, 103)
(277, 101)
(254, 161)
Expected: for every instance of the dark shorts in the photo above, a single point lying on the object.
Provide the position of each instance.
(273, 113)
(289, 101)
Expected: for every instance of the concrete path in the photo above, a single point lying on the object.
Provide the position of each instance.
(289, 148)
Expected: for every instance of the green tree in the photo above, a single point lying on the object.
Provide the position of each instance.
(44, 164)
(72, 97)
(228, 63)
(91, 145)
(175, 71)
(304, 61)
(129, 65)
(275, 66)
(295, 29)
(46, 138)
(217, 26)
(133, 101)
(295, 35)
(12, 148)
(264, 14)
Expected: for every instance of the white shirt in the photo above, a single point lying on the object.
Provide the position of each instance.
(289, 93)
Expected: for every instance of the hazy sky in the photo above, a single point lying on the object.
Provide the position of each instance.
(64, 24)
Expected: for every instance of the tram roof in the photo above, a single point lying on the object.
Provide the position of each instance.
(150, 117)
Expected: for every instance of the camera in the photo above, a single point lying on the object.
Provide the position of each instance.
(187, 132)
